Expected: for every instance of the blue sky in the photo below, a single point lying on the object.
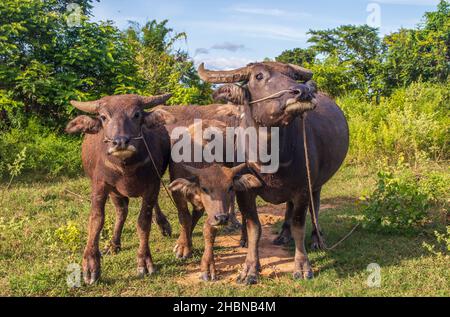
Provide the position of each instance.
(228, 34)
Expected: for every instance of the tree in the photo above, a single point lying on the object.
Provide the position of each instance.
(297, 56)
(44, 62)
(357, 48)
(163, 69)
(422, 54)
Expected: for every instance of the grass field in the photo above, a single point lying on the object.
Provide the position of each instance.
(43, 230)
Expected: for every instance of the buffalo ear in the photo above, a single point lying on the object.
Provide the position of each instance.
(158, 117)
(188, 189)
(231, 93)
(84, 124)
(246, 182)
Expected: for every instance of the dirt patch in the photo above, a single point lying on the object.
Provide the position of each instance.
(274, 260)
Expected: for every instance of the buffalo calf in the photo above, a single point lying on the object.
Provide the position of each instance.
(116, 159)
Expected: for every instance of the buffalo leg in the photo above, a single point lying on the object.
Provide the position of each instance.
(315, 244)
(247, 205)
(207, 266)
(234, 223)
(183, 247)
(121, 204)
(91, 256)
(196, 215)
(302, 267)
(162, 222)
(285, 236)
(144, 257)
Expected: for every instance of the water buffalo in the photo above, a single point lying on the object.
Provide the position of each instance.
(116, 160)
(209, 189)
(271, 96)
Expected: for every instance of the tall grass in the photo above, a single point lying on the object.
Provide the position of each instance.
(48, 153)
(413, 122)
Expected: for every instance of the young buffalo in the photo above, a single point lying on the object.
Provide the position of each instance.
(116, 159)
(209, 189)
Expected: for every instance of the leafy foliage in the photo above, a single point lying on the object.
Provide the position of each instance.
(47, 152)
(44, 62)
(356, 59)
(442, 246)
(413, 121)
(402, 200)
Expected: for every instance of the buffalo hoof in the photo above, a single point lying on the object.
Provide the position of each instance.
(112, 248)
(249, 275)
(144, 271)
(182, 251)
(303, 271)
(164, 227)
(91, 268)
(251, 279)
(303, 275)
(145, 267)
(315, 244)
(243, 243)
(206, 276)
(283, 238)
(233, 227)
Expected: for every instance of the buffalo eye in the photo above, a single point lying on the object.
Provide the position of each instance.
(137, 115)
(103, 118)
(260, 76)
(205, 190)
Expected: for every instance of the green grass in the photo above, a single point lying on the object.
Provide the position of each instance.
(33, 260)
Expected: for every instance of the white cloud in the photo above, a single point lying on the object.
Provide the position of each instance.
(268, 31)
(268, 11)
(222, 63)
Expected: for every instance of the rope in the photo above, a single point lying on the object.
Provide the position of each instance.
(157, 171)
(271, 96)
(322, 244)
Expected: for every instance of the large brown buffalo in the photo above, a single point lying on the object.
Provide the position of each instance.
(270, 96)
(116, 160)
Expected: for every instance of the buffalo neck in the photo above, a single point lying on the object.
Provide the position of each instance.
(287, 134)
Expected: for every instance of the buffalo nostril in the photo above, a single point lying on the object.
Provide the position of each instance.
(221, 219)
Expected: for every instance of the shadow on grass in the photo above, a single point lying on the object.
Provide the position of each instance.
(363, 247)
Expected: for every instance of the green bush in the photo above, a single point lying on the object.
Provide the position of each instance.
(442, 246)
(403, 199)
(47, 152)
(414, 121)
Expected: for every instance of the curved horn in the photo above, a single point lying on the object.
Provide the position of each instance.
(194, 171)
(152, 101)
(222, 77)
(86, 106)
(235, 170)
(301, 72)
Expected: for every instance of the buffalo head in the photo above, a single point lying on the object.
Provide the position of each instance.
(211, 189)
(271, 89)
(120, 118)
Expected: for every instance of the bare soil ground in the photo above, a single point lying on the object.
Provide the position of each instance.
(275, 260)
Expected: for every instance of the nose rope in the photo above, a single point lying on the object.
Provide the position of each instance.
(273, 95)
(315, 221)
(141, 137)
(108, 140)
